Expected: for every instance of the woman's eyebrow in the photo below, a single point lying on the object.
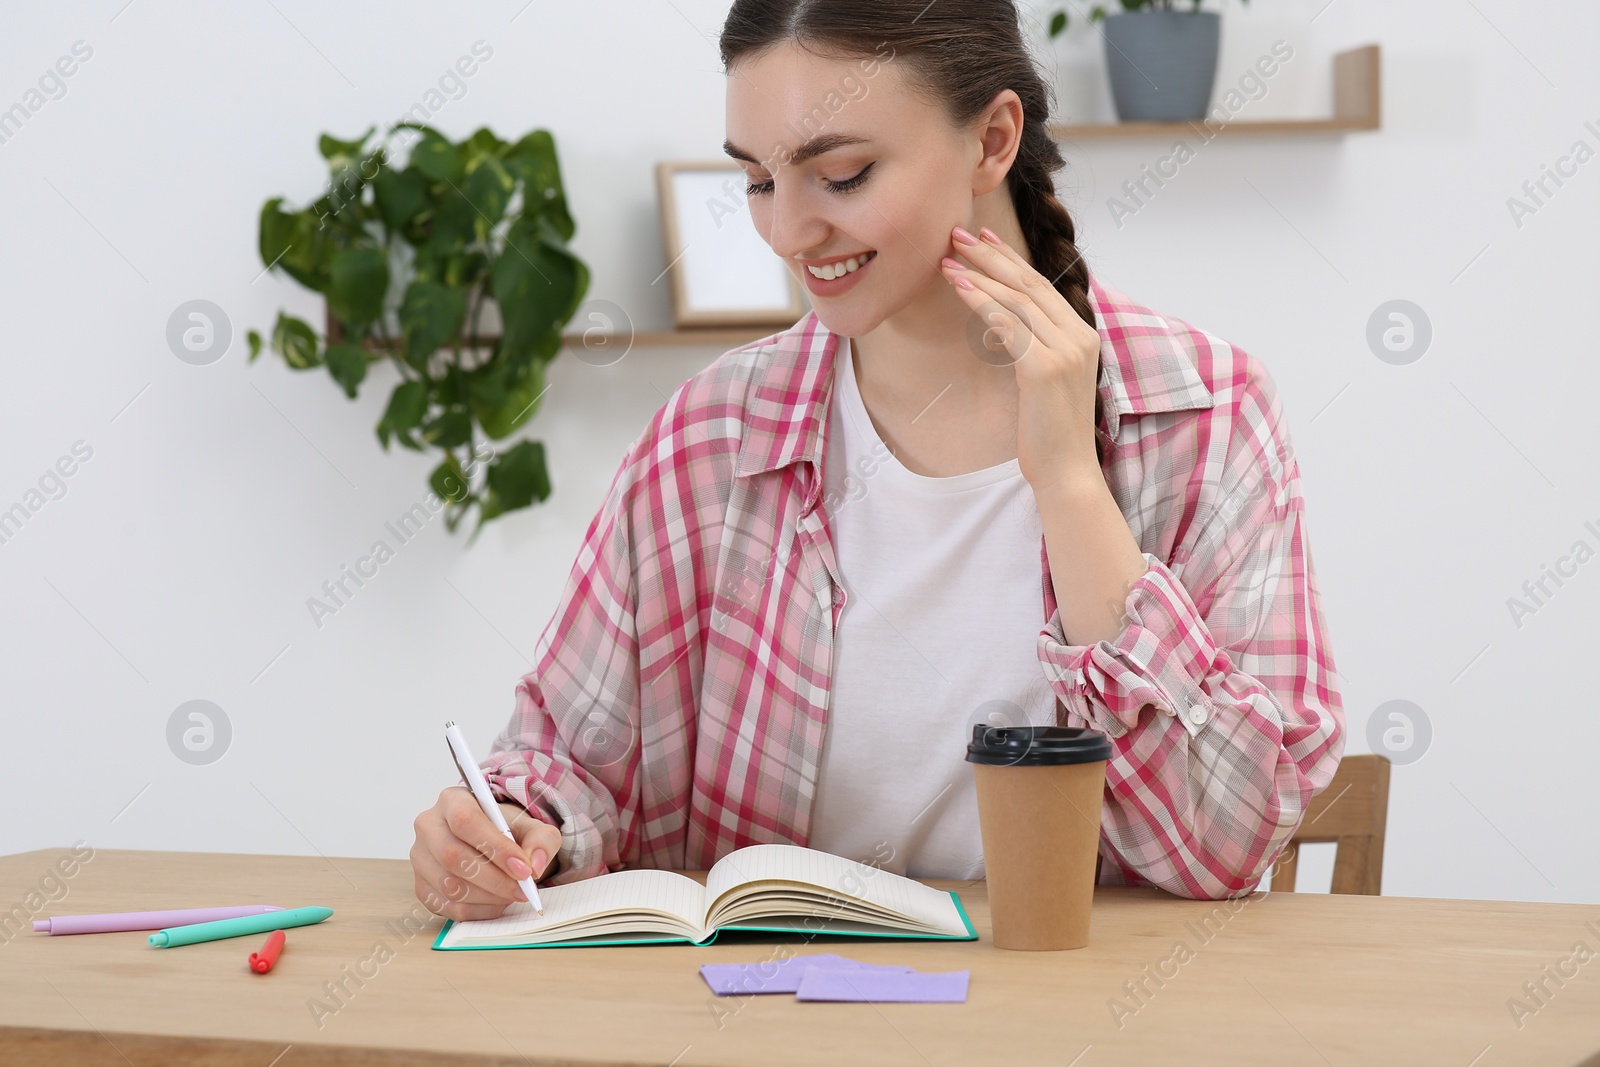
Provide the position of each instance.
(823, 142)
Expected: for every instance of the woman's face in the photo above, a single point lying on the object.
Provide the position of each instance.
(895, 181)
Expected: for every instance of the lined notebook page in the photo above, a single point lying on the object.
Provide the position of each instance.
(568, 904)
(835, 875)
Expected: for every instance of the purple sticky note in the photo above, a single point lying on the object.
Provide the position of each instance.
(776, 976)
(881, 986)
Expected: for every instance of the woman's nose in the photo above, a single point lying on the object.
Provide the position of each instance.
(793, 228)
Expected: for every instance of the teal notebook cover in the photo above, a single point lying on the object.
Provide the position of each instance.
(893, 935)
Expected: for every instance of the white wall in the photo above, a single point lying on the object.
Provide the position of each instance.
(219, 498)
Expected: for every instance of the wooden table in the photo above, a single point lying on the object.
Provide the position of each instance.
(1274, 978)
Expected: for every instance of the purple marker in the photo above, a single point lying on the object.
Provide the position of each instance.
(114, 922)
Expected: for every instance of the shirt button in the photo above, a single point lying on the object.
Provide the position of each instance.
(1197, 714)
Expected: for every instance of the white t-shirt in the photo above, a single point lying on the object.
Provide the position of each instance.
(938, 632)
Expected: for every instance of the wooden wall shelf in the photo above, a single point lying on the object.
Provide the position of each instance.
(1357, 105)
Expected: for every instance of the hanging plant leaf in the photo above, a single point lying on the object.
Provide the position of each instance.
(533, 159)
(400, 195)
(453, 228)
(451, 429)
(488, 189)
(449, 481)
(537, 286)
(430, 315)
(293, 340)
(437, 158)
(332, 148)
(295, 243)
(348, 365)
(483, 144)
(502, 402)
(407, 404)
(358, 280)
(516, 479)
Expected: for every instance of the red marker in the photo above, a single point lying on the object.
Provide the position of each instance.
(261, 962)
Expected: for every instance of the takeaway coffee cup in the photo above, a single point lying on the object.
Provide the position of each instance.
(1039, 796)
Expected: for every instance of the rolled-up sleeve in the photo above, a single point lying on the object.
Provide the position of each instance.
(1219, 692)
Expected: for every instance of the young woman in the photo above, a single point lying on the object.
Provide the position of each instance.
(973, 484)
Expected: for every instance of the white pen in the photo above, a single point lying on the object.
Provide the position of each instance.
(480, 789)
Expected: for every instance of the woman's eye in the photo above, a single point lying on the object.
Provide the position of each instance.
(850, 183)
(759, 188)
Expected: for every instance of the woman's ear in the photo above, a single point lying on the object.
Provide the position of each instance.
(999, 139)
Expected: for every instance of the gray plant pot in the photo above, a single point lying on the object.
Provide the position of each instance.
(1162, 63)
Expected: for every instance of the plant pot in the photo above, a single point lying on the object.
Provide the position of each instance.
(1162, 64)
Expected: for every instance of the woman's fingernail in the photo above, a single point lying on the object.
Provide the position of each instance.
(989, 235)
(964, 237)
(540, 860)
(519, 869)
(951, 263)
(965, 284)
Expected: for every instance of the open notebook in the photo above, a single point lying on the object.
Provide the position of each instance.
(777, 888)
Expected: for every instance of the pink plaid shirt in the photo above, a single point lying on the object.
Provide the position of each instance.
(680, 696)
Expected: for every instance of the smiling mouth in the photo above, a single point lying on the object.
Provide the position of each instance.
(840, 269)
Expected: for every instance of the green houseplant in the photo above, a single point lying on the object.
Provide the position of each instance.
(408, 254)
(1161, 61)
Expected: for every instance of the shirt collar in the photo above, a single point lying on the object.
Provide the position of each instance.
(1144, 369)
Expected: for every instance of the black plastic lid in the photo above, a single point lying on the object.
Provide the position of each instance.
(1031, 746)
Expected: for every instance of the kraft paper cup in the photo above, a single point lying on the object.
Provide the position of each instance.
(1040, 789)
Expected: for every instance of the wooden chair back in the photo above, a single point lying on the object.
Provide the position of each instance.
(1351, 812)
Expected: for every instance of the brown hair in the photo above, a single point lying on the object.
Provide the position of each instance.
(963, 53)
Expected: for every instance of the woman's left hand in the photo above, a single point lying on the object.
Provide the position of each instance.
(1056, 355)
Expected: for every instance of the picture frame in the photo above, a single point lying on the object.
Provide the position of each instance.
(721, 271)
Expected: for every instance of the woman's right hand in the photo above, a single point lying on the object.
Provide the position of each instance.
(465, 867)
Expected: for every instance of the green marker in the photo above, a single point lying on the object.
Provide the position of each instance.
(240, 927)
